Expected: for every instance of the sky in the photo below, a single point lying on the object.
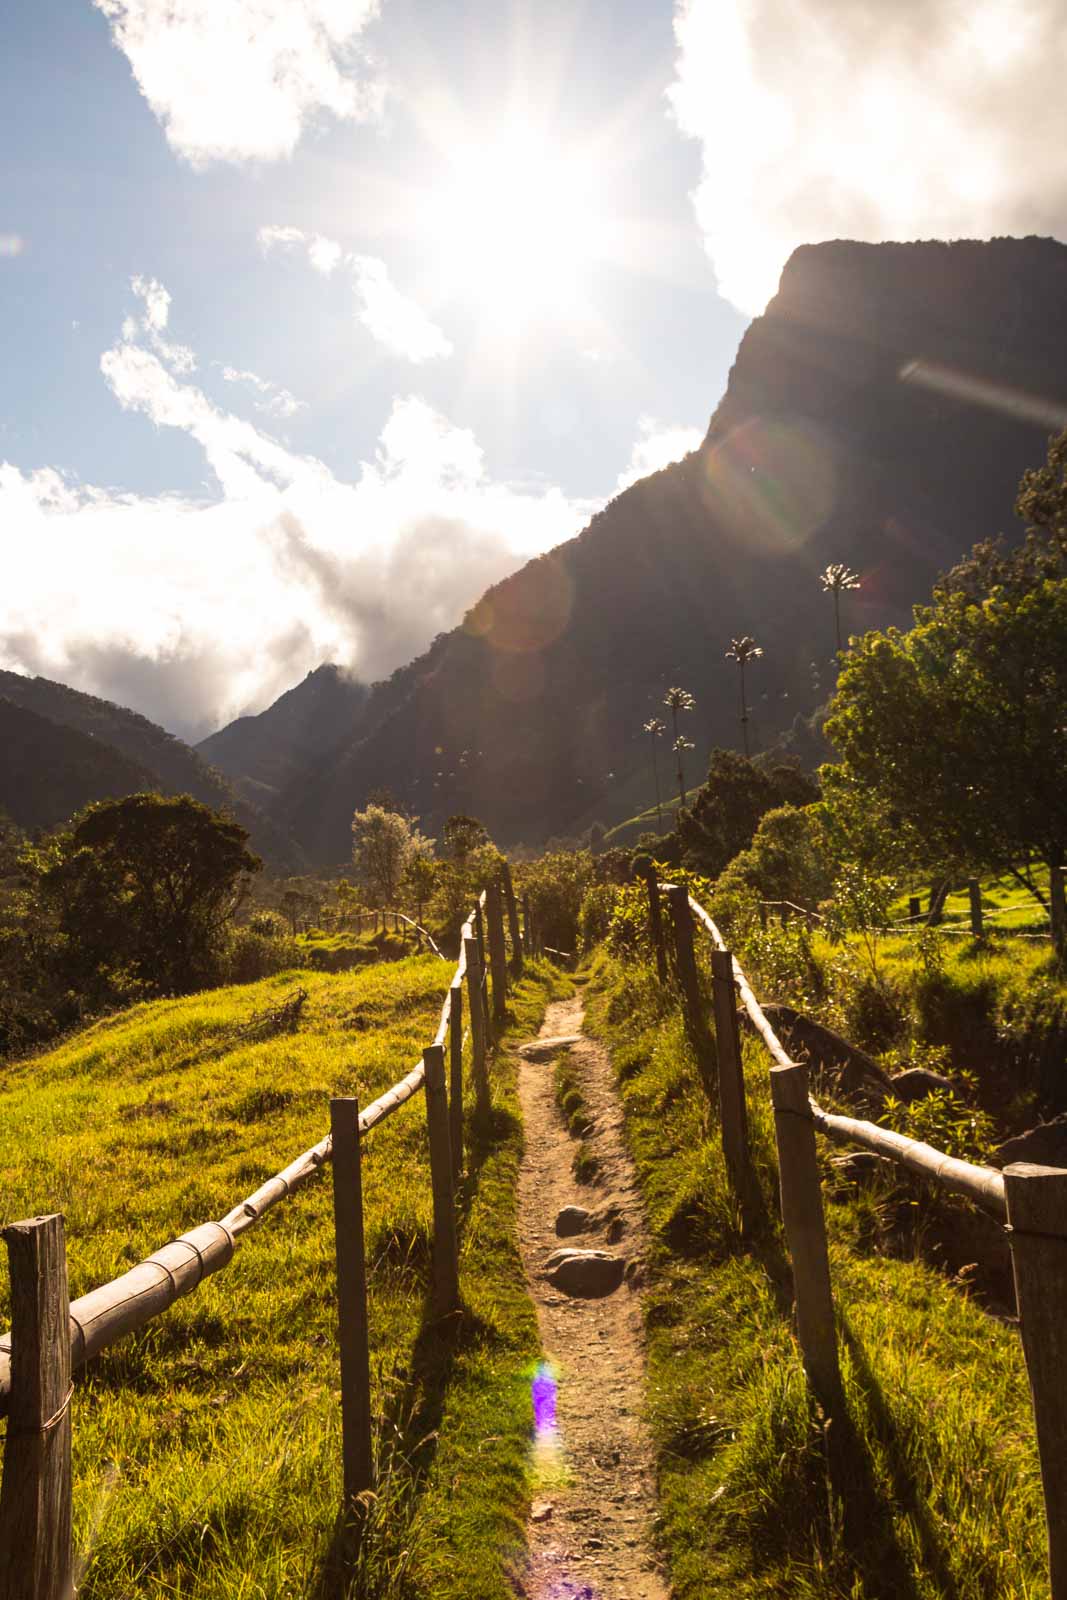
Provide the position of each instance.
(319, 316)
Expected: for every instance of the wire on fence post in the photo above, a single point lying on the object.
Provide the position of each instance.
(805, 1232)
(445, 1249)
(511, 906)
(498, 957)
(1037, 1231)
(35, 1498)
(732, 1108)
(455, 1074)
(357, 1456)
(692, 1006)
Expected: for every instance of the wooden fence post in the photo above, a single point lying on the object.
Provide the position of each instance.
(527, 926)
(445, 1250)
(655, 923)
(455, 1076)
(805, 1232)
(483, 966)
(356, 1449)
(511, 905)
(498, 956)
(915, 909)
(974, 890)
(477, 1016)
(35, 1499)
(1037, 1231)
(696, 1025)
(732, 1108)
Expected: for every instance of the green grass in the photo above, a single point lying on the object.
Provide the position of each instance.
(1005, 893)
(207, 1446)
(572, 1104)
(927, 1490)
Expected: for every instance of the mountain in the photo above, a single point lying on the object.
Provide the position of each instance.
(50, 772)
(133, 754)
(263, 754)
(880, 413)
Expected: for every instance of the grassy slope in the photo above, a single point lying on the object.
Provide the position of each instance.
(207, 1446)
(935, 1491)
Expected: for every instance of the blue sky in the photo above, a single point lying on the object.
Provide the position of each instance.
(319, 315)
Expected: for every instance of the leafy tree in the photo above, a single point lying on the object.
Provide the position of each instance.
(957, 727)
(836, 579)
(420, 878)
(144, 889)
(790, 858)
(679, 700)
(461, 835)
(557, 884)
(744, 651)
(384, 843)
(726, 810)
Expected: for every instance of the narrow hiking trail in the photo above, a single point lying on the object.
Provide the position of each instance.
(589, 1536)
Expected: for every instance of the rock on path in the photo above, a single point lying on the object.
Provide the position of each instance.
(594, 1498)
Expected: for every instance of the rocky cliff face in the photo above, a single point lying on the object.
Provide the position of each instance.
(881, 413)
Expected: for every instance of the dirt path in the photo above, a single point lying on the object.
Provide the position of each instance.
(595, 1493)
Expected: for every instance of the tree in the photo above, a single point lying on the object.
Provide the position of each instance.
(790, 858)
(728, 806)
(146, 886)
(461, 835)
(679, 700)
(383, 844)
(836, 579)
(420, 876)
(655, 730)
(957, 727)
(743, 651)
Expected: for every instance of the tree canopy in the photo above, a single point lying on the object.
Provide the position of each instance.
(726, 810)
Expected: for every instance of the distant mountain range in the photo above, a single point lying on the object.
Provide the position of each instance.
(62, 749)
(881, 413)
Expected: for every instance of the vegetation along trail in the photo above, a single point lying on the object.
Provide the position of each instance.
(583, 1244)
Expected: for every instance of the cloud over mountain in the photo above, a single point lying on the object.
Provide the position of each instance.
(826, 119)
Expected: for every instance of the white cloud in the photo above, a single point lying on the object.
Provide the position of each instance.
(238, 80)
(194, 610)
(156, 301)
(657, 445)
(274, 401)
(825, 119)
(392, 318)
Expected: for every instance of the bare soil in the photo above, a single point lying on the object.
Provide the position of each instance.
(594, 1501)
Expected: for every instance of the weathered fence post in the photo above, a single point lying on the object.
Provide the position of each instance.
(455, 1076)
(35, 1499)
(498, 956)
(805, 1232)
(445, 1250)
(527, 926)
(974, 890)
(696, 1024)
(477, 1016)
(483, 966)
(655, 922)
(1037, 1224)
(356, 1450)
(915, 908)
(1057, 905)
(512, 908)
(732, 1108)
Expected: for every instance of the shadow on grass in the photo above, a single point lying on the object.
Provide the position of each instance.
(370, 1549)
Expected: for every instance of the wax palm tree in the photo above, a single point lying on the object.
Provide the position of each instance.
(835, 580)
(679, 700)
(743, 651)
(655, 730)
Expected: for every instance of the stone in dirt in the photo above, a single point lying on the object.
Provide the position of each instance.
(572, 1220)
(545, 1049)
(541, 1510)
(585, 1274)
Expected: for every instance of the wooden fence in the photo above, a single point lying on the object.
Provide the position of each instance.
(50, 1337)
(1031, 1200)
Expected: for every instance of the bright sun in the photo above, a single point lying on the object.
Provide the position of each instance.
(515, 228)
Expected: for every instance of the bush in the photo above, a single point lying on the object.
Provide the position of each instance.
(251, 955)
(594, 920)
(557, 885)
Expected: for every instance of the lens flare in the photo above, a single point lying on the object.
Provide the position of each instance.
(547, 1450)
(773, 479)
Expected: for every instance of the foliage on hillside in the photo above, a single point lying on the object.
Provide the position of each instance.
(49, 772)
(207, 1446)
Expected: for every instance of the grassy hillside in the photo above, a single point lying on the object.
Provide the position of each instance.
(930, 1486)
(207, 1447)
